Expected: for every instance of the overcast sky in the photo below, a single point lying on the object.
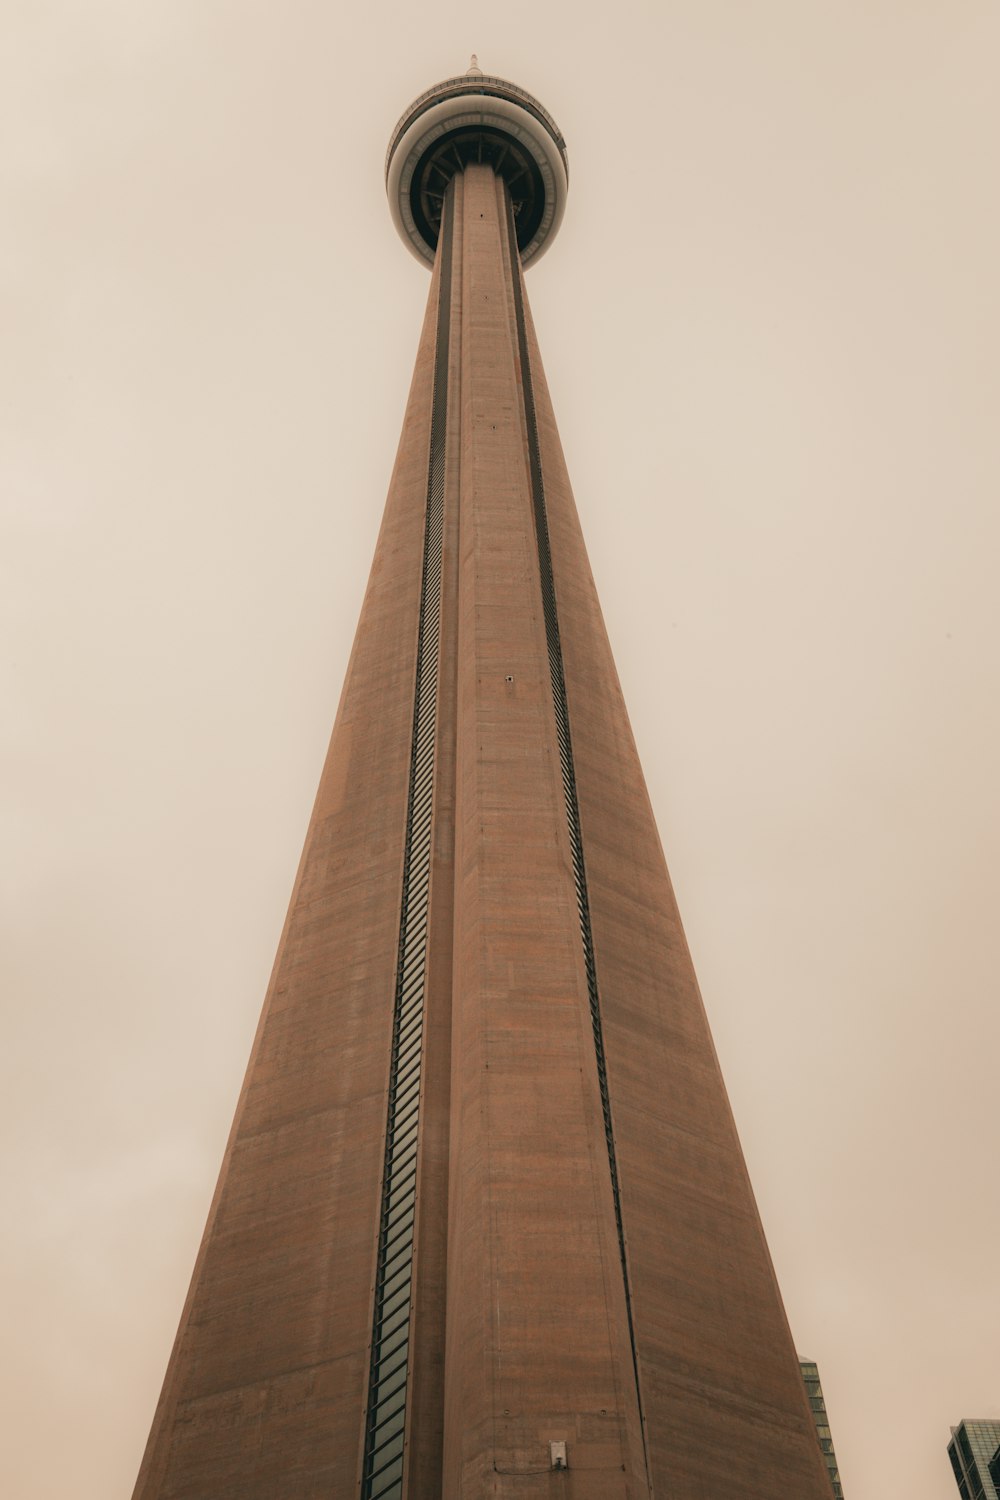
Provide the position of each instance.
(770, 325)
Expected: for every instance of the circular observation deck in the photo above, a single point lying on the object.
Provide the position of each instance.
(476, 118)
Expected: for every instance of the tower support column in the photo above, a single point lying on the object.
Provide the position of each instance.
(265, 1389)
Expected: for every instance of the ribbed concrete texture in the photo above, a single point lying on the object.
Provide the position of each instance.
(482, 910)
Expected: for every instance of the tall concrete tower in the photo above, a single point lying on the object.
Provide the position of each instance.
(483, 1226)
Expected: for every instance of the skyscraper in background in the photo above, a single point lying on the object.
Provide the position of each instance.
(973, 1444)
(817, 1403)
(483, 1214)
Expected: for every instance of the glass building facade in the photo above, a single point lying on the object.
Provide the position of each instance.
(973, 1451)
(817, 1403)
(995, 1469)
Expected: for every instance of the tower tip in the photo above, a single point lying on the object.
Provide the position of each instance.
(474, 67)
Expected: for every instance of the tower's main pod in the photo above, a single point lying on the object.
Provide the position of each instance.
(483, 1195)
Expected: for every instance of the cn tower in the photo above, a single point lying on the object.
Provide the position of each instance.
(483, 1227)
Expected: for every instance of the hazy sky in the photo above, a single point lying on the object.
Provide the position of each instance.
(770, 325)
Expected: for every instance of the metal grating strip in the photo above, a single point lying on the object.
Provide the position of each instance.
(382, 1472)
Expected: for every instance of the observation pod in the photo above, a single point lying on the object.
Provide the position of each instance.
(476, 118)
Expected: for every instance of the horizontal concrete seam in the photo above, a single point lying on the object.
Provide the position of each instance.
(247, 1385)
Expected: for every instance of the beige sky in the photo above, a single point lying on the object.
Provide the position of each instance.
(771, 326)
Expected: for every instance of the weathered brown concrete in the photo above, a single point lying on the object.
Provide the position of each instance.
(266, 1388)
(536, 1331)
(723, 1398)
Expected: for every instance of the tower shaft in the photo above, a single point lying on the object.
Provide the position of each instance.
(538, 1347)
(483, 1192)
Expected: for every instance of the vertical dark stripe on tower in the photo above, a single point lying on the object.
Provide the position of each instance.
(563, 736)
(382, 1474)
